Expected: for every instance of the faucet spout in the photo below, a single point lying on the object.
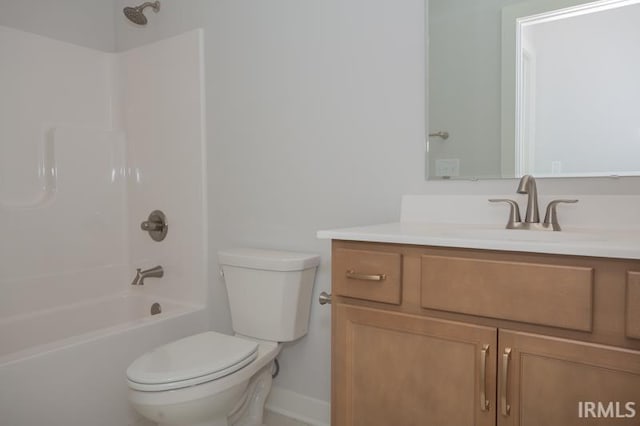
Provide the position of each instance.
(156, 272)
(136, 279)
(528, 186)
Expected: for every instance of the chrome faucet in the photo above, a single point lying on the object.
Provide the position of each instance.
(527, 186)
(156, 272)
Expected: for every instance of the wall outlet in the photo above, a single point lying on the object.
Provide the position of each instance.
(448, 167)
(556, 167)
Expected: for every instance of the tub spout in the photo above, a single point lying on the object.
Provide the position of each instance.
(156, 272)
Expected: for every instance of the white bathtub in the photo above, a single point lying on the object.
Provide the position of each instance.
(66, 366)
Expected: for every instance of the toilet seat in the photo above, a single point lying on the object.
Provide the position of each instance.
(191, 361)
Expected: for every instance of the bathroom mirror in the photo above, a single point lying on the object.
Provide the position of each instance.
(542, 87)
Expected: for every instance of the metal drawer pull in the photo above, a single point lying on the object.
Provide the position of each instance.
(506, 408)
(353, 275)
(484, 402)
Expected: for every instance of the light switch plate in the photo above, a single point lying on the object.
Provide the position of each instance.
(448, 167)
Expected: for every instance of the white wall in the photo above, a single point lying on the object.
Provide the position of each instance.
(67, 202)
(62, 206)
(88, 23)
(68, 207)
(315, 120)
(162, 96)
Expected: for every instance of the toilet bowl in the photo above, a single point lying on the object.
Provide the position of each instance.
(199, 380)
(214, 379)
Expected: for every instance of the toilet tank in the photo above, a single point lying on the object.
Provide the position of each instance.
(269, 291)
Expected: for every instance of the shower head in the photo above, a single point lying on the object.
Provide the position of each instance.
(135, 15)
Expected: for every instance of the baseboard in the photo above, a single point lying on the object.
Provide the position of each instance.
(299, 407)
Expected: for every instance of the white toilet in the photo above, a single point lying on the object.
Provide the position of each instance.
(213, 379)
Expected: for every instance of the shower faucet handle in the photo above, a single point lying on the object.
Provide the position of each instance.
(148, 225)
(156, 225)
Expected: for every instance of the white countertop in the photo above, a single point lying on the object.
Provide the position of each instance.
(615, 244)
(618, 242)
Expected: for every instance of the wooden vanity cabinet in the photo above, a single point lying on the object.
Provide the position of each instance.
(548, 381)
(396, 369)
(471, 337)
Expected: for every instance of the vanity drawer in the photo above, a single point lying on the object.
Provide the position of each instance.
(368, 275)
(633, 305)
(536, 293)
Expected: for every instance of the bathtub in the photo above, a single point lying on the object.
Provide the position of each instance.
(66, 366)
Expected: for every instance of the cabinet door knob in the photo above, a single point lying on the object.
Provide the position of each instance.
(324, 298)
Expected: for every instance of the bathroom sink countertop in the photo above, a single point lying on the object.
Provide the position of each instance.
(598, 226)
(579, 242)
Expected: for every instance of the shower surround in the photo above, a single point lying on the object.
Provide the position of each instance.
(90, 144)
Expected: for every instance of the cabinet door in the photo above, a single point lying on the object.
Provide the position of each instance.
(557, 382)
(395, 369)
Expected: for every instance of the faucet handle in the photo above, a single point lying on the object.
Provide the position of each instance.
(551, 216)
(514, 211)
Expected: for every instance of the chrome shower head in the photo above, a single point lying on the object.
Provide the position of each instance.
(135, 15)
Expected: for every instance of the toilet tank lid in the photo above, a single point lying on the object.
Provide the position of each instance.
(270, 260)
